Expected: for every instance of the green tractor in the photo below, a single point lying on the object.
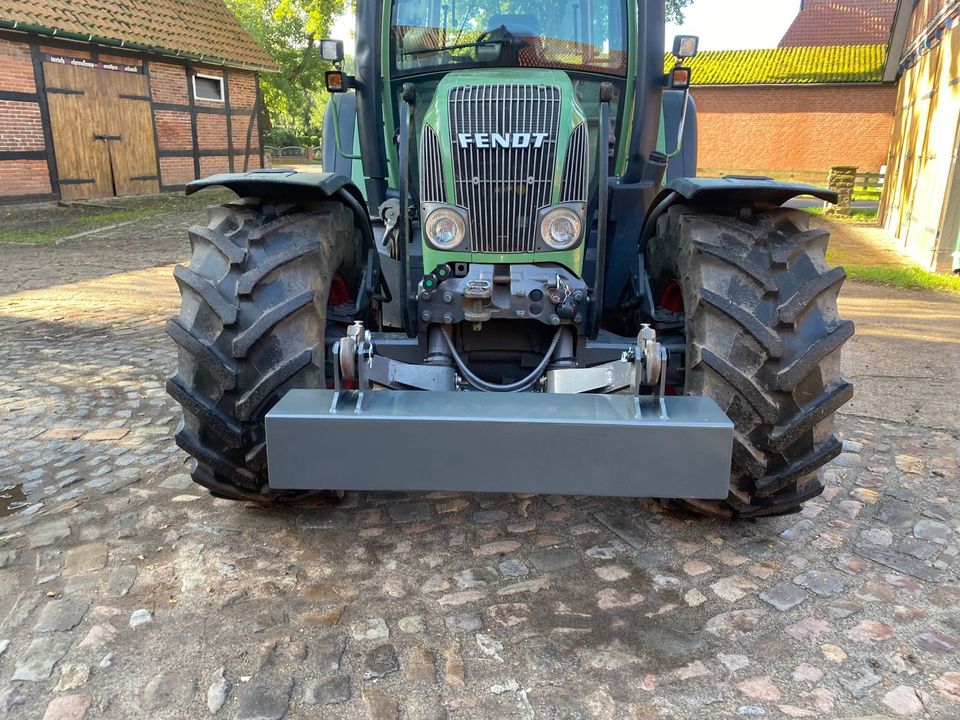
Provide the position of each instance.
(509, 279)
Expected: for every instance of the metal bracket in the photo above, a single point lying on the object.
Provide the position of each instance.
(355, 358)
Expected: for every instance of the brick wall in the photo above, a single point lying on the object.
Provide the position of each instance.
(176, 170)
(20, 126)
(16, 67)
(243, 89)
(73, 50)
(801, 129)
(21, 129)
(214, 165)
(168, 83)
(240, 124)
(253, 163)
(173, 129)
(24, 177)
(212, 131)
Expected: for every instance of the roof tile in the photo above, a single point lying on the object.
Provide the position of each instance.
(199, 28)
(788, 66)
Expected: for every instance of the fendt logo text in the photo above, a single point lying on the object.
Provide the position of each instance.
(502, 140)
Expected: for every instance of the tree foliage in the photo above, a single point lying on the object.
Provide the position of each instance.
(290, 30)
(675, 10)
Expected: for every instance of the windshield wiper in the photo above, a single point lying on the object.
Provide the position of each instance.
(464, 46)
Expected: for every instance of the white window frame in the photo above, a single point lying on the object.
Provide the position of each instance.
(218, 78)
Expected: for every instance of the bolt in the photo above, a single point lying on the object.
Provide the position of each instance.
(356, 330)
(578, 296)
(425, 295)
(448, 297)
(647, 332)
(578, 318)
(555, 319)
(447, 319)
(426, 315)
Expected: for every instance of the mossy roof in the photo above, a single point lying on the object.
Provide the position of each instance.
(788, 66)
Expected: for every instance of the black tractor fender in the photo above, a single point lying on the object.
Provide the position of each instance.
(290, 185)
(282, 184)
(726, 193)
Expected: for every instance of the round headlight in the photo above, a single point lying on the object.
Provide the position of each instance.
(561, 228)
(445, 229)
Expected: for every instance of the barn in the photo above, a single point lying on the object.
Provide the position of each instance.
(101, 99)
(921, 205)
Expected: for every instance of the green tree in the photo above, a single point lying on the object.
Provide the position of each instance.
(675, 10)
(290, 30)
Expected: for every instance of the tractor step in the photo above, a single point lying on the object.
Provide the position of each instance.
(615, 445)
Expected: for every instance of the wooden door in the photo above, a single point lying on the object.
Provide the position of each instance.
(102, 132)
(76, 115)
(133, 155)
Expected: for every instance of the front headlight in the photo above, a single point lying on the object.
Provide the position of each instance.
(560, 228)
(445, 229)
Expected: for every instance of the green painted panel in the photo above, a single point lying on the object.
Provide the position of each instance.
(438, 117)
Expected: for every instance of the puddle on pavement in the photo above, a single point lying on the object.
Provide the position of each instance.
(12, 499)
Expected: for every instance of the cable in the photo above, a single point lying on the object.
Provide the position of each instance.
(518, 386)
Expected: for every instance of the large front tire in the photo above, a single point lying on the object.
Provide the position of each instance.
(251, 326)
(763, 339)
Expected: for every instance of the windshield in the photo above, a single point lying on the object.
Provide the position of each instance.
(586, 36)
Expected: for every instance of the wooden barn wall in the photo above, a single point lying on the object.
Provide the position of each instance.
(193, 137)
(923, 168)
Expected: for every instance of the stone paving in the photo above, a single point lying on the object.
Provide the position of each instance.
(126, 592)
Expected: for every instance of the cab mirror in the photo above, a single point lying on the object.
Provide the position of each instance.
(685, 46)
(331, 50)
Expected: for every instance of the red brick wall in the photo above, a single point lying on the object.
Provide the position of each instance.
(16, 67)
(243, 89)
(239, 126)
(214, 165)
(212, 131)
(253, 164)
(168, 83)
(173, 129)
(24, 177)
(73, 50)
(783, 129)
(20, 126)
(21, 129)
(176, 170)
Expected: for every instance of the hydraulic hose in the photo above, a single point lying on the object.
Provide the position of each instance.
(518, 386)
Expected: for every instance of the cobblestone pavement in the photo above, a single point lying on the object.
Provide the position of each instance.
(125, 592)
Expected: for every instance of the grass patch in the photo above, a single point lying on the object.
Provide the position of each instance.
(909, 277)
(72, 226)
(857, 215)
(865, 194)
(41, 224)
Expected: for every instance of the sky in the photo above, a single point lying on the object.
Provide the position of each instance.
(721, 24)
(736, 24)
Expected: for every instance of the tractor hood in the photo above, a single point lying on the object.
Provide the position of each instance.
(503, 148)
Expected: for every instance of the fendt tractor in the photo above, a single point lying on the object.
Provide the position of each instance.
(508, 278)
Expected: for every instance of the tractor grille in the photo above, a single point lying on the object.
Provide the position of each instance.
(574, 188)
(431, 168)
(503, 188)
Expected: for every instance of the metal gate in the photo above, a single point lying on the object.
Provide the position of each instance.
(102, 132)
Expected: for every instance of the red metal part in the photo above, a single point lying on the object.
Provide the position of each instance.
(339, 291)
